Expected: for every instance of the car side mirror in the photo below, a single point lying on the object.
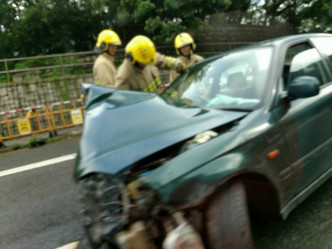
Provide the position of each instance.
(303, 87)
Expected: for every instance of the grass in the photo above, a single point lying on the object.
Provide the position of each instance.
(53, 140)
(17, 146)
(33, 142)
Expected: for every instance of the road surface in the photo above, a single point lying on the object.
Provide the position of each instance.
(39, 207)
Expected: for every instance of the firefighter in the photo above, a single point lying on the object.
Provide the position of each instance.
(104, 70)
(139, 70)
(184, 45)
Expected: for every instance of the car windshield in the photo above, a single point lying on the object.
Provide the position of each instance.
(232, 81)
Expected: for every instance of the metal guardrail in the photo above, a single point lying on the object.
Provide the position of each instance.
(60, 65)
(24, 121)
(67, 113)
(205, 49)
(38, 119)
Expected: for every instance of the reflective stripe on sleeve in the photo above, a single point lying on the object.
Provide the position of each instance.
(153, 85)
(169, 61)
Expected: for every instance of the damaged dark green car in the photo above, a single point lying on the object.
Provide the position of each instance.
(242, 135)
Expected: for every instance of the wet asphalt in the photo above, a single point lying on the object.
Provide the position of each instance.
(40, 208)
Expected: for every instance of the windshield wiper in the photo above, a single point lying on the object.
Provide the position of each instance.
(235, 109)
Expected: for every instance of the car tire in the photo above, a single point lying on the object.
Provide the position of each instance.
(227, 219)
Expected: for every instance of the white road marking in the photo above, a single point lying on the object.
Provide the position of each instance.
(69, 246)
(37, 165)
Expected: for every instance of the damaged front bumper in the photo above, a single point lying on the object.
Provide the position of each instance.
(125, 217)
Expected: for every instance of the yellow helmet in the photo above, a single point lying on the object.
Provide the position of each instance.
(105, 38)
(182, 40)
(141, 49)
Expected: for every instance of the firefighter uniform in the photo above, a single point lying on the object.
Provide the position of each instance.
(139, 70)
(104, 70)
(182, 40)
(187, 61)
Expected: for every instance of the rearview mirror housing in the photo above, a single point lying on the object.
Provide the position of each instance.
(303, 87)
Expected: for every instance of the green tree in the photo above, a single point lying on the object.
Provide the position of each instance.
(302, 15)
(32, 27)
(162, 20)
(7, 15)
(316, 18)
(55, 27)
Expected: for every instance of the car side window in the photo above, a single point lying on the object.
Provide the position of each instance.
(324, 44)
(303, 60)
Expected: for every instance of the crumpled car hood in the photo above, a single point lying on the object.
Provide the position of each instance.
(128, 126)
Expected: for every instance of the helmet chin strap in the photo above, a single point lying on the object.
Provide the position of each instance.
(139, 65)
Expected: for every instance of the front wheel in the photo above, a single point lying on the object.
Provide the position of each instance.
(227, 219)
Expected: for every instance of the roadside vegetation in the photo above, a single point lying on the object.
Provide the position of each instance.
(51, 27)
(30, 27)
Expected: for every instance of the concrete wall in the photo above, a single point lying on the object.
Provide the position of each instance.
(234, 35)
(41, 91)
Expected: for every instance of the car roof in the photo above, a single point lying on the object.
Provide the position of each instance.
(273, 42)
(291, 38)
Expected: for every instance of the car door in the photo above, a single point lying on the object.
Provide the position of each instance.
(308, 121)
(323, 44)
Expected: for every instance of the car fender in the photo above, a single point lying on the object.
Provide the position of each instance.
(200, 182)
